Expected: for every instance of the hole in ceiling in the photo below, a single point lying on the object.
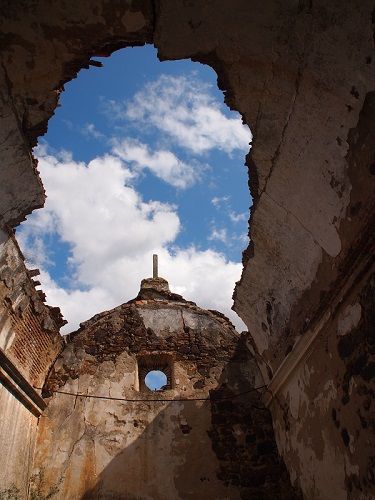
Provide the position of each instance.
(142, 157)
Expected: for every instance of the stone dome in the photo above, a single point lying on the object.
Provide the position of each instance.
(157, 321)
(115, 438)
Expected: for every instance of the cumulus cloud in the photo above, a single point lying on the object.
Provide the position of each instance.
(112, 234)
(219, 234)
(183, 108)
(222, 203)
(237, 216)
(217, 201)
(164, 164)
(90, 130)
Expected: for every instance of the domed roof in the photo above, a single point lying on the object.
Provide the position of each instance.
(163, 311)
(156, 321)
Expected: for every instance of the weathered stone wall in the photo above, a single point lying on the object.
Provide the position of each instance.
(29, 343)
(302, 76)
(90, 447)
(325, 387)
(28, 327)
(43, 46)
(17, 436)
(324, 414)
(242, 434)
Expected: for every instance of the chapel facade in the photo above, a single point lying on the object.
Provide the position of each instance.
(205, 434)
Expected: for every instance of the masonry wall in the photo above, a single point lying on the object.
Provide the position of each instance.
(28, 327)
(90, 448)
(17, 436)
(325, 385)
(218, 447)
(302, 76)
(324, 413)
(29, 343)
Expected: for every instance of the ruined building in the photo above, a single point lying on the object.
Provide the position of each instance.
(285, 411)
(128, 442)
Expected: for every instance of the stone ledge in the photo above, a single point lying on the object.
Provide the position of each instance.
(304, 346)
(16, 383)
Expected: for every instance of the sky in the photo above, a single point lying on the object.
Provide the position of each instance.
(155, 380)
(141, 157)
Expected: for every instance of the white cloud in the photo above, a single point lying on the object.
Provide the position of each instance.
(184, 108)
(112, 234)
(89, 129)
(217, 201)
(219, 235)
(223, 203)
(237, 217)
(34, 248)
(69, 124)
(164, 164)
(229, 238)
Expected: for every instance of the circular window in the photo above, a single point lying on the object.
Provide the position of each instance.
(156, 380)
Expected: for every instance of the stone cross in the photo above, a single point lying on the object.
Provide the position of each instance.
(154, 266)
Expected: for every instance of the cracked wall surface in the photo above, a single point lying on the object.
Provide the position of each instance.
(30, 341)
(18, 429)
(330, 392)
(43, 47)
(336, 379)
(209, 441)
(28, 328)
(302, 76)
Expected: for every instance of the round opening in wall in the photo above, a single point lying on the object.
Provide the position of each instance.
(156, 380)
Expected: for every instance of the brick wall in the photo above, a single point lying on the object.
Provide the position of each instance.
(29, 329)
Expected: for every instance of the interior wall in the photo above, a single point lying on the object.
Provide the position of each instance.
(28, 327)
(18, 428)
(324, 414)
(220, 445)
(90, 448)
(329, 391)
(302, 76)
(29, 343)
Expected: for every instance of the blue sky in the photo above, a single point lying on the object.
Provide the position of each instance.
(155, 380)
(140, 157)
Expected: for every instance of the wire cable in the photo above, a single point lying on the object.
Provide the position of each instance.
(142, 400)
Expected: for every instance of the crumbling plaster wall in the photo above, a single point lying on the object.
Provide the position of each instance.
(103, 448)
(324, 414)
(325, 386)
(18, 428)
(299, 72)
(28, 328)
(281, 66)
(29, 339)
